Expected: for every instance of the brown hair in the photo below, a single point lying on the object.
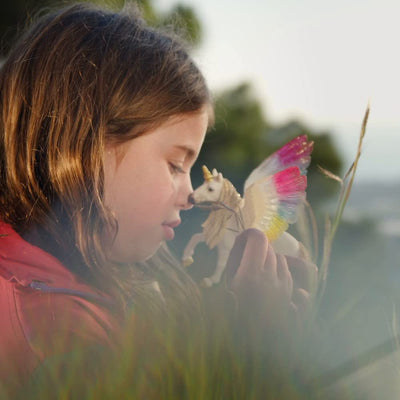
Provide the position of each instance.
(80, 77)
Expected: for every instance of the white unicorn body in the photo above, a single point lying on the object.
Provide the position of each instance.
(224, 223)
(270, 202)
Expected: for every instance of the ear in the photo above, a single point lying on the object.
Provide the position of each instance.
(220, 177)
(214, 172)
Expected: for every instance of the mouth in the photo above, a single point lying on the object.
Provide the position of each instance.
(168, 228)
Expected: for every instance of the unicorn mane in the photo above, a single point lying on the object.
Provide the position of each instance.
(214, 226)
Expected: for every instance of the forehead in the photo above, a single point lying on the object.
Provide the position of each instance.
(206, 113)
(179, 134)
(184, 132)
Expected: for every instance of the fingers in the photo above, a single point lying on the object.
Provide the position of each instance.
(235, 256)
(249, 252)
(256, 252)
(304, 273)
(270, 265)
(254, 266)
(299, 308)
(253, 257)
(269, 286)
(284, 274)
(301, 299)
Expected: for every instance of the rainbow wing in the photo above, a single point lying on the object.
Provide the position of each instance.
(276, 189)
(295, 153)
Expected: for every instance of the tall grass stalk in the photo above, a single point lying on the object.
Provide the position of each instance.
(331, 226)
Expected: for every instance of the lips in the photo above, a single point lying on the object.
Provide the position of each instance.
(169, 228)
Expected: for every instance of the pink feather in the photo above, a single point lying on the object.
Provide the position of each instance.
(290, 181)
(296, 152)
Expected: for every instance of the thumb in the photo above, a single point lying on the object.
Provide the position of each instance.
(248, 254)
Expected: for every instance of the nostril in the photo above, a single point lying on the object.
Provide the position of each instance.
(191, 199)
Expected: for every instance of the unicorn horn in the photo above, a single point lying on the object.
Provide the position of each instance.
(207, 174)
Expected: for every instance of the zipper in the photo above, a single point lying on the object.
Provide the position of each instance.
(43, 287)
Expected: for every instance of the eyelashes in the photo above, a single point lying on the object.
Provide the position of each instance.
(176, 169)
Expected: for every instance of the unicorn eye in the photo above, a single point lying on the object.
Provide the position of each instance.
(210, 189)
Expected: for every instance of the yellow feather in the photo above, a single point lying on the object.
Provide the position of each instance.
(277, 226)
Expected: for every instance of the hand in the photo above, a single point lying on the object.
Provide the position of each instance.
(261, 281)
(304, 274)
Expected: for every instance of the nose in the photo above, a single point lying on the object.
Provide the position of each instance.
(186, 196)
(189, 202)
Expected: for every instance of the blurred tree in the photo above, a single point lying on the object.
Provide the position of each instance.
(242, 137)
(13, 16)
(233, 145)
(16, 14)
(185, 22)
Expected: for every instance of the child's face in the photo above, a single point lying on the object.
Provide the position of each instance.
(147, 184)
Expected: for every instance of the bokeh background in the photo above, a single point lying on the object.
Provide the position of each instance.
(280, 68)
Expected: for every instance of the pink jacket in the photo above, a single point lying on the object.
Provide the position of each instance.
(44, 309)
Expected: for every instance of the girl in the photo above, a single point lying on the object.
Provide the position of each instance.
(101, 121)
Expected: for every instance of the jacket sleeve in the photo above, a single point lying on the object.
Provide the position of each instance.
(55, 323)
(45, 325)
(17, 357)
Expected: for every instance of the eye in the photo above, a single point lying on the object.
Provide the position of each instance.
(176, 169)
(210, 189)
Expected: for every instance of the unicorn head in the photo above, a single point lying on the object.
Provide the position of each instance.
(210, 190)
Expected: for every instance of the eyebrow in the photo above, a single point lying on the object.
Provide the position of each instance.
(189, 152)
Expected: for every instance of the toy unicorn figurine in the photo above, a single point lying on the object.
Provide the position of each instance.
(273, 194)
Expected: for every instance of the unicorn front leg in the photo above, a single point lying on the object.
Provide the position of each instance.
(187, 257)
(223, 254)
(224, 248)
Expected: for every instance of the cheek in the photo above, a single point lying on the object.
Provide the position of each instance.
(139, 194)
(152, 199)
(163, 192)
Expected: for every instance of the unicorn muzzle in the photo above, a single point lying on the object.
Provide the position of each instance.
(191, 199)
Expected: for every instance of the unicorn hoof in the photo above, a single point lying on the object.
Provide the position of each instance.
(187, 261)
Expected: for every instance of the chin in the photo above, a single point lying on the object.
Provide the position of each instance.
(148, 254)
(129, 254)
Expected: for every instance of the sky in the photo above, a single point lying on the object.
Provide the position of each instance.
(318, 61)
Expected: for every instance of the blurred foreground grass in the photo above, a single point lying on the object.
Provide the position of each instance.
(346, 351)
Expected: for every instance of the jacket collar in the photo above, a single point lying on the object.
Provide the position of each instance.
(25, 263)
